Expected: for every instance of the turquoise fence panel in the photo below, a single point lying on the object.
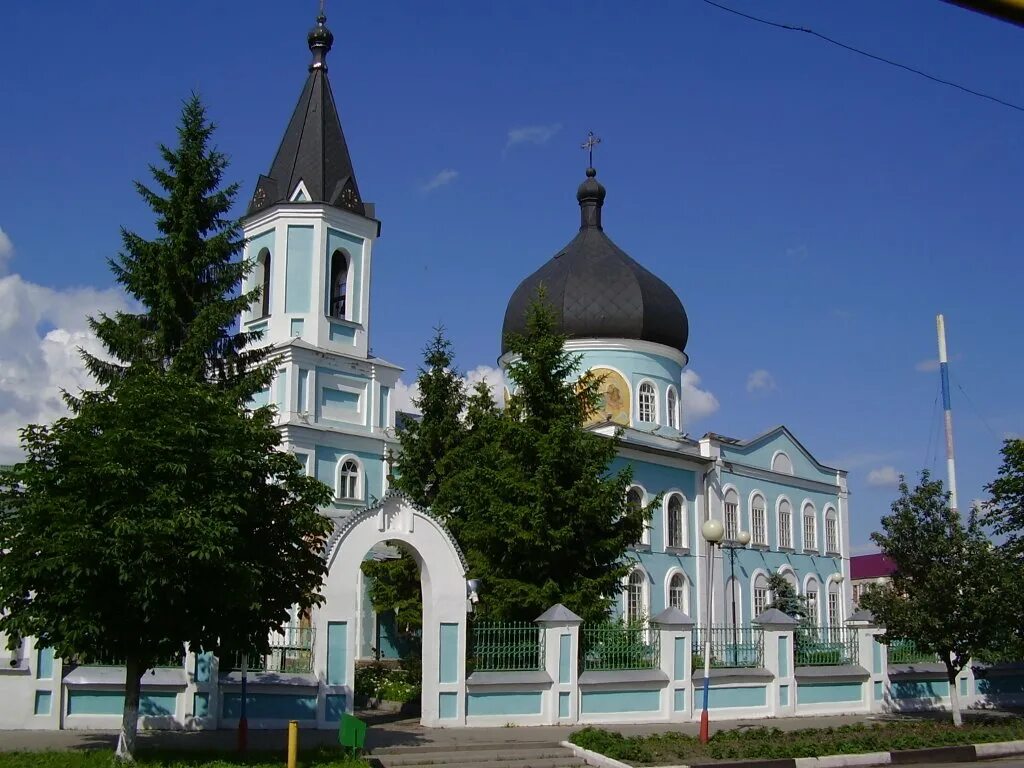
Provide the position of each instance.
(919, 689)
(43, 703)
(730, 697)
(828, 693)
(335, 707)
(448, 705)
(617, 646)
(826, 646)
(507, 647)
(563, 704)
(611, 702)
(503, 703)
(44, 664)
(337, 652)
(201, 704)
(270, 706)
(730, 646)
(564, 658)
(448, 653)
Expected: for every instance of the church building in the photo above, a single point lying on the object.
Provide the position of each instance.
(312, 236)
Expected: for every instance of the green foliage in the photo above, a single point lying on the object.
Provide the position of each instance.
(531, 489)
(323, 757)
(395, 586)
(619, 644)
(387, 683)
(163, 511)
(773, 743)
(785, 598)
(1004, 512)
(949, 591)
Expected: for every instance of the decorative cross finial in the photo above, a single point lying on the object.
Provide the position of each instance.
(591, 142)
(321, 7)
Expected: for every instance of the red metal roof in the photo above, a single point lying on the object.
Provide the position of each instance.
(871, 566)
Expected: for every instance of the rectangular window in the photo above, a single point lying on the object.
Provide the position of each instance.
(810, 539)
(812, 608)
(760, 532)
(831, 535)
(760, 600)
(833, 609)
(785, 530)
(731, 514)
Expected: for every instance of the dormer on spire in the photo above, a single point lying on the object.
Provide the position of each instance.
(313, 150)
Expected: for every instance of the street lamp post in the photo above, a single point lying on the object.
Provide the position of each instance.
(741, 541)
(712, 531)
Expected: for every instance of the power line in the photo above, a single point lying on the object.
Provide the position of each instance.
(890, 62)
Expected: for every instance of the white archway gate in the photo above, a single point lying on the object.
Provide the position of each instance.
(443, 579)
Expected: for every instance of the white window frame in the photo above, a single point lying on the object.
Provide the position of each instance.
(759, 595)
(360, 476)
(645, 537)
(787, 542)
(812, 592)
(672, 408)
(835, 601)
(644, 596)
(808, 513)
(652, 404)
(782, 454)
(683, 526)
(758, 533)
(731, 516)
(670, 577)
(832, 542)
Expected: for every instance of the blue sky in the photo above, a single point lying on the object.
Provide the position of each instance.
(812, 208)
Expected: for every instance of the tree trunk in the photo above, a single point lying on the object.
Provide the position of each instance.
(954, 695)
(130, 718)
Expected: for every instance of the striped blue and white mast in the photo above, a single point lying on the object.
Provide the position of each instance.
(940, 324)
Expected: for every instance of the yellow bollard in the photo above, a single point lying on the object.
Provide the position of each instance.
(293, 743)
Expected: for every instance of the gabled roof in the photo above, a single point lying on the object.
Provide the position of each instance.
(873, 566)
(781, 429)
(313, 150)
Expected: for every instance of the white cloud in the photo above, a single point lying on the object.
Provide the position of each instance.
(440, 179)
(531, 134)
(696, 402)
(6, 249)
(404, 394)
(927, 366)
(863, 459)
(884, 477)
(760, 381)
(41, 330)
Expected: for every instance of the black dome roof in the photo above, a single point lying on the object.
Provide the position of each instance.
(597, 290)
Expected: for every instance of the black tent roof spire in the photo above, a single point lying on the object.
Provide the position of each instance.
(313, 150)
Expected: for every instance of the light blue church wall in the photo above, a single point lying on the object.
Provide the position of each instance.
(298, 281)
(751, 559)
(635, 367)
(760, 455)
(655, 479)
(326, 464)
(353, 246)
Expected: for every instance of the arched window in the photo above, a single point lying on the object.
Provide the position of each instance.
(675, 522)
(732, 515)
(835, 614)
(339, 284)
(760, 597)
(782, 463)
(634, 502)
(785, 525)
(263, 267)
(647, 403)
(758, 521)
(348, 479)
(810, 527)
(678, 594)
(831, 531)
(812, 602)
(672, 406)
(636, 608)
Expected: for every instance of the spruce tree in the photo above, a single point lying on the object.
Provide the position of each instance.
(423, 465)
(163, 512)
(542, 519)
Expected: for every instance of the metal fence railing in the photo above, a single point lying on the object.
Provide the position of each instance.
(290, 651)
(826, 646)
(507, 647)
(730, 646)
(617, 646)
(907, 652)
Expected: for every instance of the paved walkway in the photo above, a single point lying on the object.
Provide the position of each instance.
(385, 731)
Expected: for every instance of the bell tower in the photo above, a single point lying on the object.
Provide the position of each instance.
(311, 237)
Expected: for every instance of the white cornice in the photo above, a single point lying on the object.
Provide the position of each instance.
(311, 212)
(780, 478)
(615, 345)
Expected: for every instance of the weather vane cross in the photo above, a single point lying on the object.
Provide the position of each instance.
(591, 142)
(321, 7)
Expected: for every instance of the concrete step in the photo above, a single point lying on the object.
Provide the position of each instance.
(457, 745)
(479, 756)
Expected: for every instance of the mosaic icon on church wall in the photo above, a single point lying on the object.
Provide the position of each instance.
(615, 400)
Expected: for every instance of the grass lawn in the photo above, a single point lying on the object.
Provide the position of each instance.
(104, 758)
(768, 743)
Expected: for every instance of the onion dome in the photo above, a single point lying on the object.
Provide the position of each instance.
(597, 290)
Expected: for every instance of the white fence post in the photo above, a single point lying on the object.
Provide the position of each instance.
(561, 628)
(874, 658)
(674, 637)
(778, 629)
